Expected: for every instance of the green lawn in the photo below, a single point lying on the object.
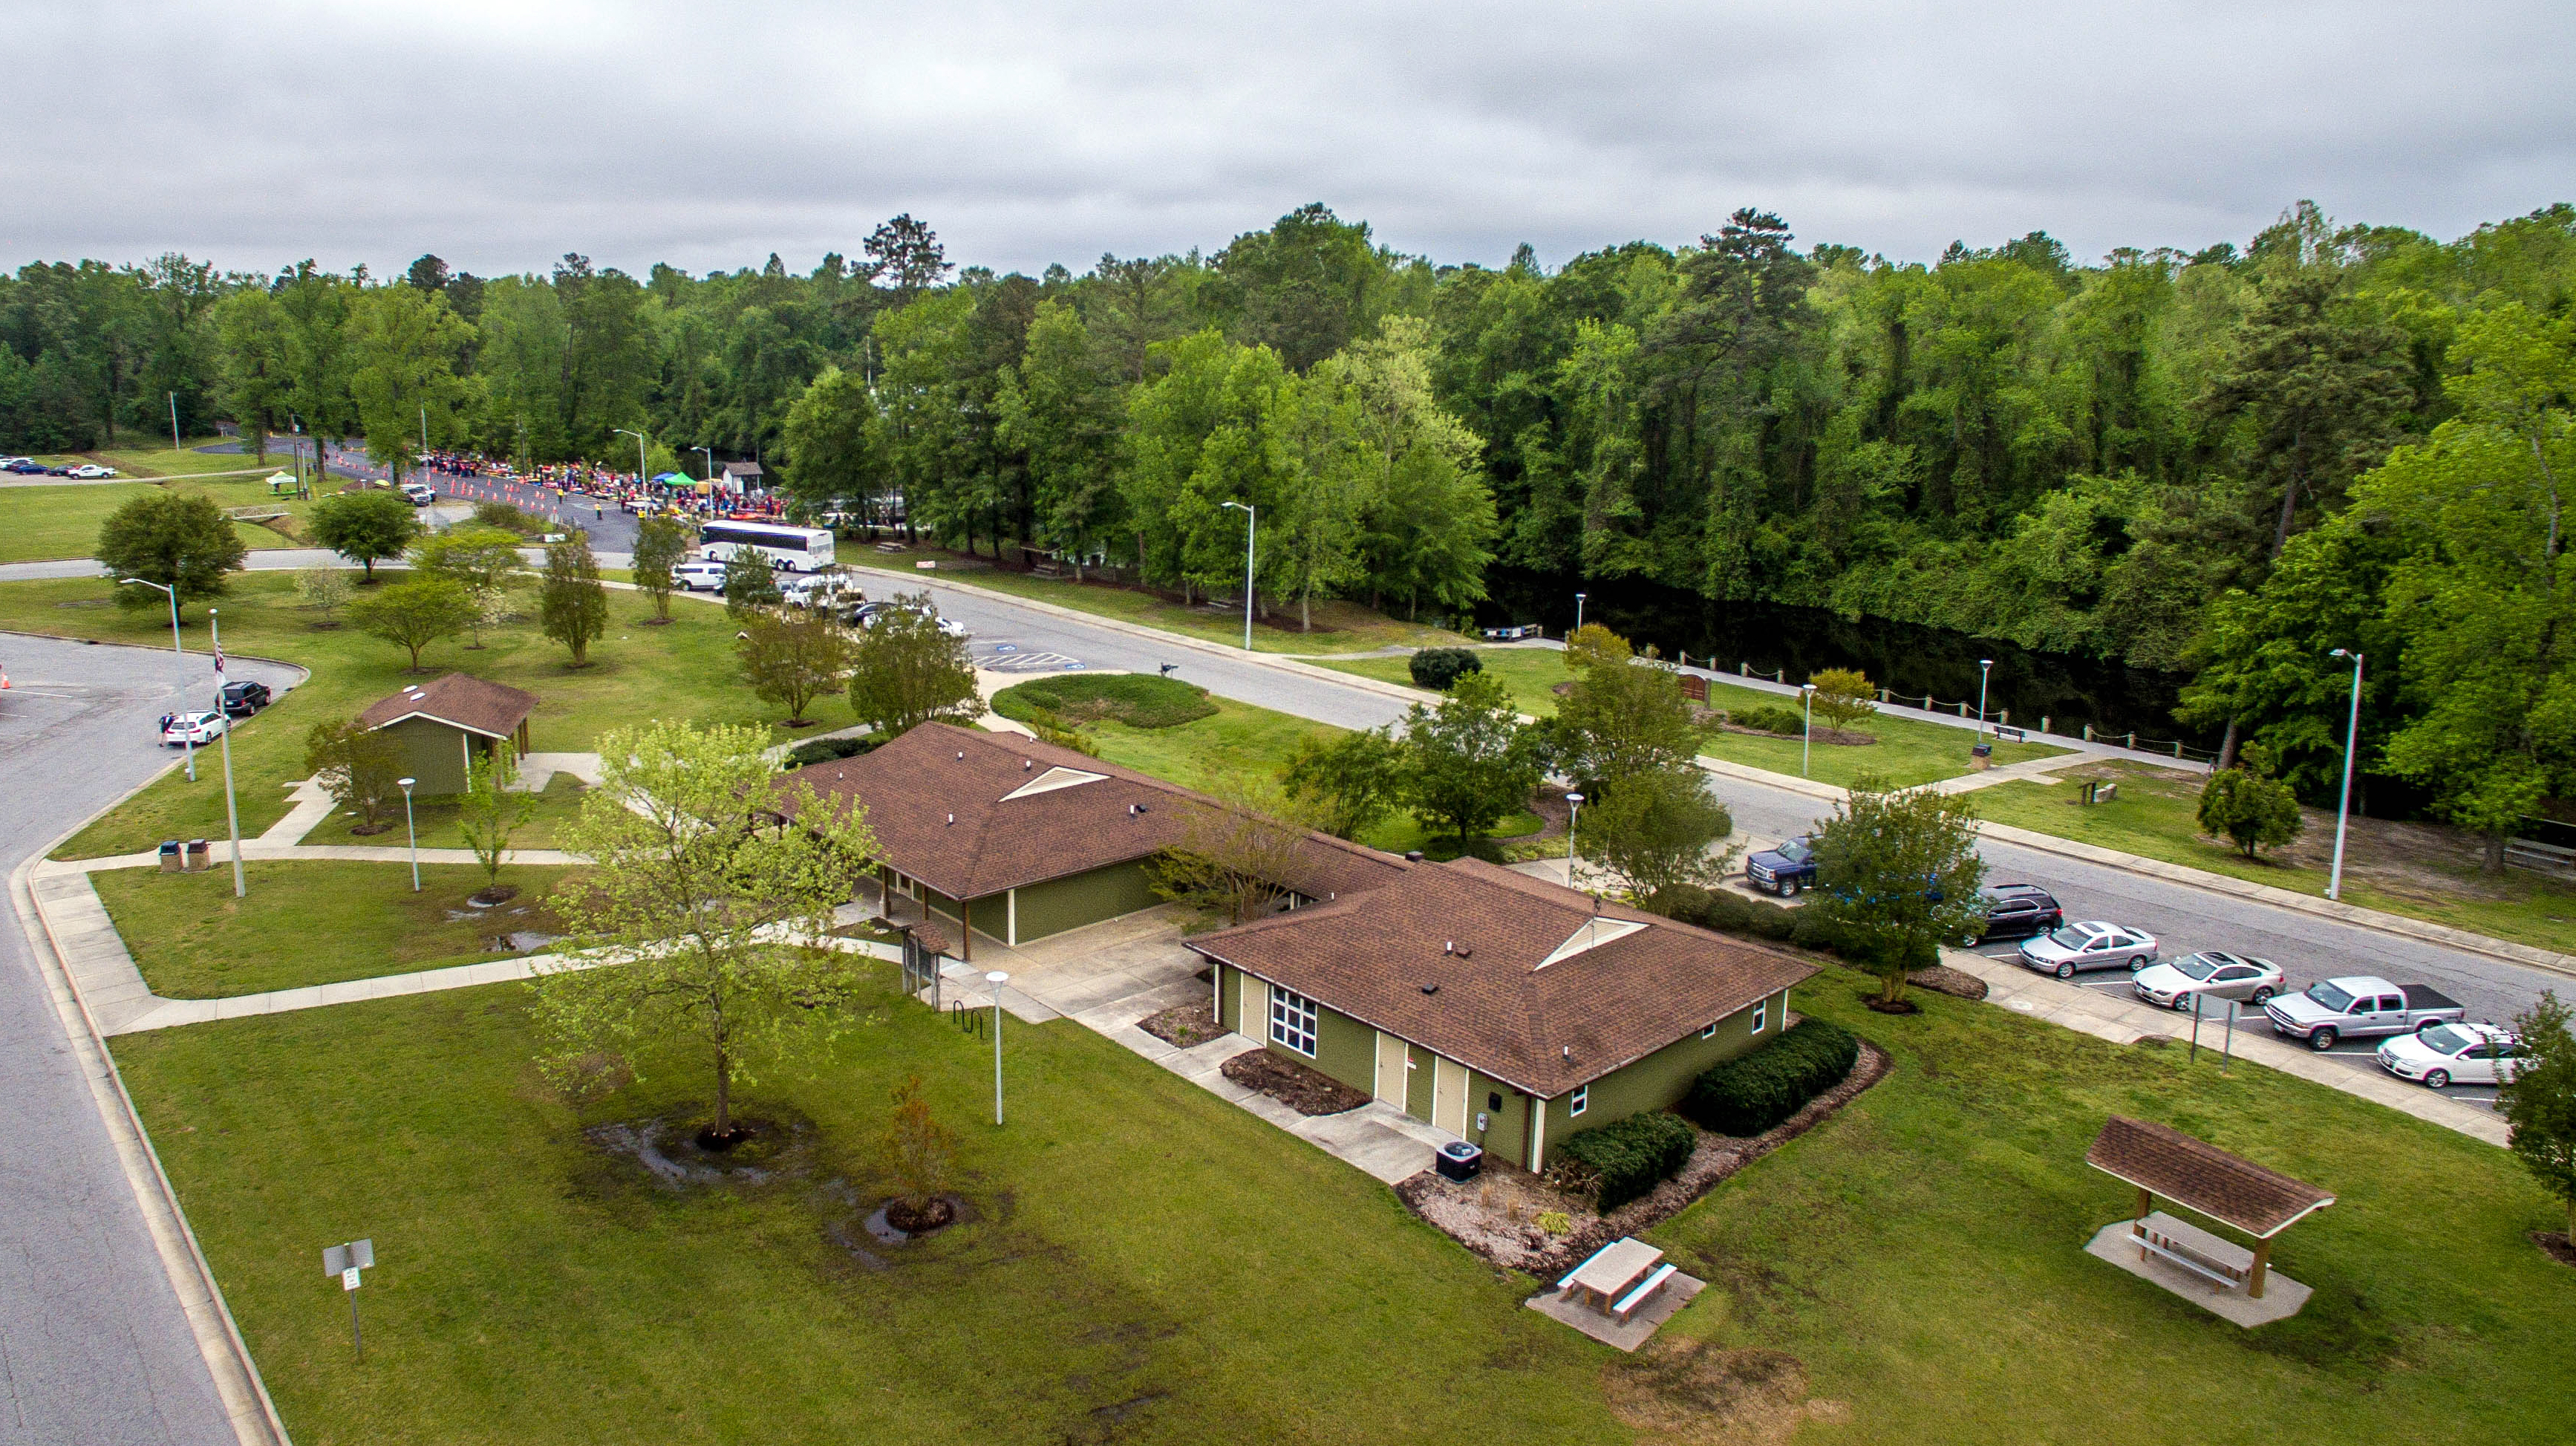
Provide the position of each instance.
(142, 456)
(1908, 751)
(2156, 816)
(39, 523)
(685, 671)
(310, 923)
(1922, 1254)
(1147, 1263)
(1340, 627)
(440, 826)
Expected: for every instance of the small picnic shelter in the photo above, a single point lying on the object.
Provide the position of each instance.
(2162, 1162)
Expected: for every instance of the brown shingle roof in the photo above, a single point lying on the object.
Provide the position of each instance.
(494, 710)
(1517, 1000)
(2200, 1176)
(916, 784)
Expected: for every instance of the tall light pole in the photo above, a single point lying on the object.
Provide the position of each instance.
(1251, 529)
(2343, 804)
(997, 979)
(174, 422)
(232, 811)
(410, 828)
(709, 454)
(1807, 740)
(185, 746)
(1985, 667)
(642, 462)
(424, 436)
(1578, 615)
(1573, 812)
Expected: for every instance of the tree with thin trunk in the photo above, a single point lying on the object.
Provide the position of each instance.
(359, 768)
(1897, 874)
(793, 659)
(1659, 831)
(177, 539)
(413, 615)
(572, 607)
(697, 925)
(1235, 856)
(661, 544)
(365, 527)
(1844, 697)
(325, 590)
(483, 560)
(2539, 1103)
(906, 671)
(490, 812)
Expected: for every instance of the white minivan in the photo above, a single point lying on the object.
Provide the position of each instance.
(699, 576)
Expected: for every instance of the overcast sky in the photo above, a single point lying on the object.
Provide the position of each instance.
(502, 133)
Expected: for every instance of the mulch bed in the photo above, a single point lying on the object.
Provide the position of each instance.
(1942, 979)
(1307, 1091)
(1718, 1157)
(1183, 1025)
(2555, 1245)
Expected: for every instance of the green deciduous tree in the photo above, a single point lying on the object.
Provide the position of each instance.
(258, 370)
(181, 540)
(359, 768)
(905, 671)
(1897, 874)
(791, 659)
(1061, 407)
(832, 442)
(1623, 717)
(415, 614)
(404, 349)
(2539, 1104)
(750, 584)
(661, 544)
(1470, 762)
(1345, 783)
(699, 911)
(366, 527)
(490, 812)
(325, 590)
(484, 561)
(572, 608)
(1659, 830)
(2248, 809)
(1843, 697)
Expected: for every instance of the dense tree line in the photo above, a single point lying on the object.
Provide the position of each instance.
(2076, 457)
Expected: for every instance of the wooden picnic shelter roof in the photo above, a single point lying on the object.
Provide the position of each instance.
(2199, 1176)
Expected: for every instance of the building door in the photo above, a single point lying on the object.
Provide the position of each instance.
(1390, 1070)
(1417, 1081)
(1449, 1096)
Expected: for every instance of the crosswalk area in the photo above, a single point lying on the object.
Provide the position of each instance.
(1008, 658)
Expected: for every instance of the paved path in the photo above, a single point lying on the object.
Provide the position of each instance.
(110, 1331)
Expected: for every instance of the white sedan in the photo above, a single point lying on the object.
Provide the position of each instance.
(2211, 974)
(191, 730)
(2458, 1053)
(2089, 945)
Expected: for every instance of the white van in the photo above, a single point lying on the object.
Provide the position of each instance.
(699, 576)
(419, 494)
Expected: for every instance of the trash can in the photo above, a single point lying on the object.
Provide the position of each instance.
(171, 863)
(199, 860)
(1459, 1160)
(1981, 757)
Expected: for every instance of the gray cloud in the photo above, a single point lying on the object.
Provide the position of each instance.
(503, 134)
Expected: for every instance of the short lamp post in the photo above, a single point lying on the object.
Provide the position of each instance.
(185, 746)
(412, 830)
(997, 979)
(1251, 529)
(1807, 739)
(1985, 668)
(2343, 803)
(1573, 813)
(1578, 616)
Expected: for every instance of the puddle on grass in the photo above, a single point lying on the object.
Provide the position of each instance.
(675, 1161)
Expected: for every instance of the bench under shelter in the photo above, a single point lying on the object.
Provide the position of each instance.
(2163, 1163)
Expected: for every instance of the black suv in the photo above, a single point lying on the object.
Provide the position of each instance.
(2019, 911)
(243, 699)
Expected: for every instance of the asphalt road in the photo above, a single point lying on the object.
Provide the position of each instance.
(93, 1347)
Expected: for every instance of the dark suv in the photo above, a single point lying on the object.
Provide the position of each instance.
(1783, 870)
(2019, 911)
(241, 700)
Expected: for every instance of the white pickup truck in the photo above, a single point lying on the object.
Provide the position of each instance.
(2358, 1006)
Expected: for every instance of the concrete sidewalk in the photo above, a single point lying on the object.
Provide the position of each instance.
(2126, 1021)
(260, 850)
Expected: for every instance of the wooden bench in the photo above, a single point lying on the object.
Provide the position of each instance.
(1628, 1305)
(2224, 1264)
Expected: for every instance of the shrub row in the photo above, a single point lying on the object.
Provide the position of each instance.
(824, 750)
(1625, 1160)
(1437, 668)
(1751, 1093)
(1768, 718)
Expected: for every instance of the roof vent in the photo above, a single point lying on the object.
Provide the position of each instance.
(1565, 1052)
(1466, 953)
(1448, 946)
(961, 755)
(1413, 856)
(1430, 988)
(952, 818)
(1027, 764)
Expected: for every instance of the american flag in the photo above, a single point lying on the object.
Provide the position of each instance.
(219, 659)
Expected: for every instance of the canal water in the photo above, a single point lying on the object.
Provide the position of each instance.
(1910, 659)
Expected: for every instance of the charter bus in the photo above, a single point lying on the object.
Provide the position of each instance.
(791, 549)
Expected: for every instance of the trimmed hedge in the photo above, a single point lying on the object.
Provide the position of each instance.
(1768, 718)
(1437, 668)
(1631, 1157)
(1750, 1094)
(825, 750)
(1139, 700)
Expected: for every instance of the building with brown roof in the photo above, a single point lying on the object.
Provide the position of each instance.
(1505, 1009)
(444, 723)
(1018, 839)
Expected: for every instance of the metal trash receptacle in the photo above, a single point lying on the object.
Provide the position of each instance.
(1459, 1160)
(171, 863)
(200, 857)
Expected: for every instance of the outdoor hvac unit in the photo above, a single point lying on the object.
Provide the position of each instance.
(1460, 1160)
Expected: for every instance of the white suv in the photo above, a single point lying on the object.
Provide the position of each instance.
(699, 576)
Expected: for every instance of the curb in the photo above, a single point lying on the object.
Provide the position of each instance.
(238, 1385)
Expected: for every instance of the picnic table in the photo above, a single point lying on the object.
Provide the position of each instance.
(1619, 1277)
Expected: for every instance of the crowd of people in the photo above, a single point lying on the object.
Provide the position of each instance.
(671, 493)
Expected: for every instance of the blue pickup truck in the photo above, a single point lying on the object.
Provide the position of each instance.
(1783, 870)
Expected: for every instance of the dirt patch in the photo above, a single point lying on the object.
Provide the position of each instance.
(1460, 1212)
(1698, 1393)
(1183, 1026)
(497, 894)
(1552, 810)
(1942, 979)
(2555, 1244)
(1306, 1090)
(1692, 1391)
(671, 1157)
(1871, 1001)
(1499, 1214)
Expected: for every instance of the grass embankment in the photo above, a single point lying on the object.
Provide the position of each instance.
(1214, 751)
(2156, 815)
(311, 923)
(1340, 626)
(1927, 1246)
(1909, 751)
(684, 671)
(40, 523)
(1144, 1262)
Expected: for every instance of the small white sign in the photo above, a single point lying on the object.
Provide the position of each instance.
(349, 1278)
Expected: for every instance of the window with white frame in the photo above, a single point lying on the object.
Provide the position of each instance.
(1292, 1020)
(1577, 1102)
(1761, 1016)
(1710, 1032)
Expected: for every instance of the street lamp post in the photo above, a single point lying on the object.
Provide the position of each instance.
(1985, 667)
(1573, 812)
(174, 422)
(1578, 615)
(642, 462)
(1807, 741)
(710, 455)
(997, 979)
(411, 829)
(1251, 529)
(232, 811)
(2343, 804)
(185, 746)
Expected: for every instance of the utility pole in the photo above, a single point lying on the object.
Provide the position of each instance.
(1251, 529)
(2343, 803)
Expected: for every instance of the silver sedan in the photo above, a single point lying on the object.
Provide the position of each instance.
(2210, 974)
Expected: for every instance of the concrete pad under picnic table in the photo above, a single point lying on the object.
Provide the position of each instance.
(2282, 1296)
(1570, 1308)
